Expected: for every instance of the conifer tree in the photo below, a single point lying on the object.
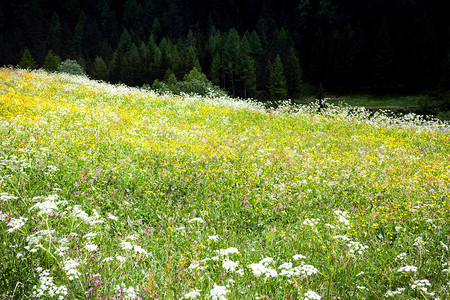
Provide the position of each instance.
(79, 30)
(246, 69)
(100, 69)
(52, 62)
(216, 66)
(277, 81)
(293, 74)
(27, 61)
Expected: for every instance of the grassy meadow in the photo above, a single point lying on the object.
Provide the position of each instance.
(111, 192)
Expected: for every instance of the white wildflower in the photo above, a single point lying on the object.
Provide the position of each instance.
(228, 251)
(421, 285)
(46, 207)
(286, 266)
(180, 228)
(266, 261)
(193, 265)
(120, 258)
(213, 237)
(407, 269)
(343, 237)
(393, 293)
(311, 295)
(342, 217)
(111, 217)
(401, 256)
(140, 250)
(192, 295)
(91, 248)
(311, 222)
(298, 256)
(106, 259)
(130, 293)
(126, 245)
(229, 265)
(218, 292)
(198, 220)
(16, 223)
(90, 235)
(132, 237)
(69, 267)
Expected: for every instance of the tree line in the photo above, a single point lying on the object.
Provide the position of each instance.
(262, 49)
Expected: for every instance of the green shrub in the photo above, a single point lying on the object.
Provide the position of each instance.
(71, 66)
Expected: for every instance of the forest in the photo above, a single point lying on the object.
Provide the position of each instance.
(261, 49)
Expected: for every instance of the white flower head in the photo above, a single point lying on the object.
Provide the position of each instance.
(218, 292)
(213, 237)
(228, 251)
(112, 217)
(407, 269)
(311, 295)
(126, 245)
(229, 265)
(192, 295)
(16, 223)
(311, 222)
(91, 248)
(46, 207)
(197, 220)
(266, 261)
(140, 250)
(421, 285)
(393, 293)
(298, 256)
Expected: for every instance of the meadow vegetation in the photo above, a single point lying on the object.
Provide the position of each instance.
(111, 192)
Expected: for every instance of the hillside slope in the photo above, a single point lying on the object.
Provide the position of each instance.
(110, 191)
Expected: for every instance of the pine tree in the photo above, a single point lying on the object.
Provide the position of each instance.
(170, 80)
(79, 30)
(27, 61)
(55, 33)
(216, 66)
(246, 69)
(100, 69)
(277, 81)
(52, 62)
(293, 74)
(230, 56)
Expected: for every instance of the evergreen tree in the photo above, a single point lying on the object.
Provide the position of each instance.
(170, 80)
(216, 67)
(246, 69)
(100, 69)
(27, 61)
(293, 74)
(52, 62)
(79, 30)
(55, 33)
(277, 81)
(230, 56)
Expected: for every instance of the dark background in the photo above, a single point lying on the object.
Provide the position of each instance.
(350, 46)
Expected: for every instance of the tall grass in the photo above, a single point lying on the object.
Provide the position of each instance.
(110, 192)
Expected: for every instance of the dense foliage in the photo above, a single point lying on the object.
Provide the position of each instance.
(111, 192)
(351, 45)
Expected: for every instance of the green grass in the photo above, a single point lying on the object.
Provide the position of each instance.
(114, 192)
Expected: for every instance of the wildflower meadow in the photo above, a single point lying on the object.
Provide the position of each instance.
(112, 192)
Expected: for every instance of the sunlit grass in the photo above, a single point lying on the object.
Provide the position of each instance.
(110, 191)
